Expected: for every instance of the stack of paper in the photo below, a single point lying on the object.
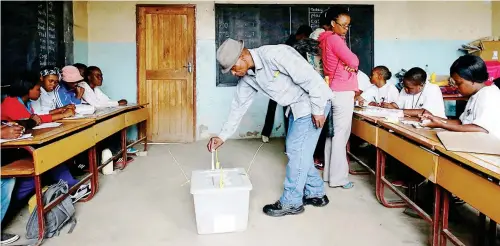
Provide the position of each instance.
(24, 136)
(382, 112)
(47, 125)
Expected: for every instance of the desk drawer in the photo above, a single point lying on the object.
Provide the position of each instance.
(420, 160)
(53, 154)
(473, 189)
(109, 127)
(365, 131)
(136, 116)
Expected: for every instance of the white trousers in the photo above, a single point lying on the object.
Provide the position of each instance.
(336, 169)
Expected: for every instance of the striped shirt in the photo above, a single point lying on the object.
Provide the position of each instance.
(65, 95)
(284, 76)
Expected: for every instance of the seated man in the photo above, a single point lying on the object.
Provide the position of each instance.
(68, 92)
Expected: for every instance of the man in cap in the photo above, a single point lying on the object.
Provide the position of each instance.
(283, 75)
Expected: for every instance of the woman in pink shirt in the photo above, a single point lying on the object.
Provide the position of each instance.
(340, 64)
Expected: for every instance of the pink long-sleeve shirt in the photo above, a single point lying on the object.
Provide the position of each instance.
(335, 56)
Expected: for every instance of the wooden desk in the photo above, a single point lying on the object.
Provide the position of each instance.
(454, 97)
(473, 178)
(72, 139)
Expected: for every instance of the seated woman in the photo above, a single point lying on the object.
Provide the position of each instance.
(68, 92)
(418, 97)
(380, 92)
(93, 94)
(46, 104)
(18, 107)
(481, 113)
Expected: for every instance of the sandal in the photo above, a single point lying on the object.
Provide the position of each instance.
(346, 186)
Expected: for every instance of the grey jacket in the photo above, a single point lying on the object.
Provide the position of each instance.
(283, 75)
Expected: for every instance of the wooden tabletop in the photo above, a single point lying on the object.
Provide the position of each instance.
(488, 164)
(41, 136)
(102, 113)
(426, 137)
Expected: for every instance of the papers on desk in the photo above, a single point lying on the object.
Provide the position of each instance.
(24, 136)
(47, 125)
(381, 112)
(75, 117)
(470, 142)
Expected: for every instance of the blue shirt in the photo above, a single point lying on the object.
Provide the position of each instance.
(65, 95)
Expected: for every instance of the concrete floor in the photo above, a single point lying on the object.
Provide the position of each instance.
(147, 204)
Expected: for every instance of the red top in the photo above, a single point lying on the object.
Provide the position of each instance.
(335, 56)
(13, 109)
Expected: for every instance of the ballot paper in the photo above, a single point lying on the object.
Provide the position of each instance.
(75, 117)
(47, 125)
(24, 136)
(381, 112)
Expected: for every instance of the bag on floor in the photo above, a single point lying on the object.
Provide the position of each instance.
(58, 217)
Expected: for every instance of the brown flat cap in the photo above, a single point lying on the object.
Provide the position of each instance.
(228, 53)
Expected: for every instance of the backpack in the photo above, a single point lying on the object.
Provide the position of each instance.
(58, 217)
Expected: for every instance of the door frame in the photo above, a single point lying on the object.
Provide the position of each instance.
(138, 48)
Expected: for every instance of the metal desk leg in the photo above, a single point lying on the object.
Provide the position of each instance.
(436, 215)
(481, 230)
(379, 184)
(124, 146)
(94, 171)
(445, 232)
(39, 209)
(492, 233)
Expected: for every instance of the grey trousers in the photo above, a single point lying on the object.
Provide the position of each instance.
(336, 169)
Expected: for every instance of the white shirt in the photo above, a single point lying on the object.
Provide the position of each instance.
(45, 103)
(363, 81)
(430, 98)
(387, 93)
(483, 109)
(96, 97)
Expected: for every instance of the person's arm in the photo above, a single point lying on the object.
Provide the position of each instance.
(453, 125)
(105, 100)
(241, 102)
(340, 49)
(302, 74)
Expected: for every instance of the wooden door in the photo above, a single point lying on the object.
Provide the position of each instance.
(166, 64)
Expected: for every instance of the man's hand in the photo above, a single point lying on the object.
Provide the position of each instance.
(69, 113)
(360, 100)
(318, 120)
(214, 144)
(374, 104)
(79, 92)
(70, 106)
(389, 105)
(36, 118)
(122, 102)
(11, 132)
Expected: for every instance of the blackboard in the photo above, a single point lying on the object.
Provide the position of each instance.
(259, 25)
(34, 34)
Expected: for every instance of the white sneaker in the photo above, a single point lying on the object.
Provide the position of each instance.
(265, 139)
(82, 192)
(8, 238)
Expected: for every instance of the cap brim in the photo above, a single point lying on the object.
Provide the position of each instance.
(242, 45)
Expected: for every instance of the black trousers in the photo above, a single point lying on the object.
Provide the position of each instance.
(269, 122)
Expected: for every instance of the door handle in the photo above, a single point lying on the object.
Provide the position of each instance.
(189, 67)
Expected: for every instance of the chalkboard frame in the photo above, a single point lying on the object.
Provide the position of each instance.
(369, 8)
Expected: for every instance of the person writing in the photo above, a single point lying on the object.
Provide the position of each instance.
(380, 92)
(283, 75)
(481, 113)
(417, 96)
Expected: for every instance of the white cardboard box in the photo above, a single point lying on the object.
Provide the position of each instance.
(221, 209)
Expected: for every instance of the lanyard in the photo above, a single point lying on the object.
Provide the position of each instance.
(27, 105)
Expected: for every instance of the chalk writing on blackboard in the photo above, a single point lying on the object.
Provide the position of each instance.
(314, 14)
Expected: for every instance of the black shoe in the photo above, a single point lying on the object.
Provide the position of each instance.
(9, 238)
(317, 201)
(277, 210)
